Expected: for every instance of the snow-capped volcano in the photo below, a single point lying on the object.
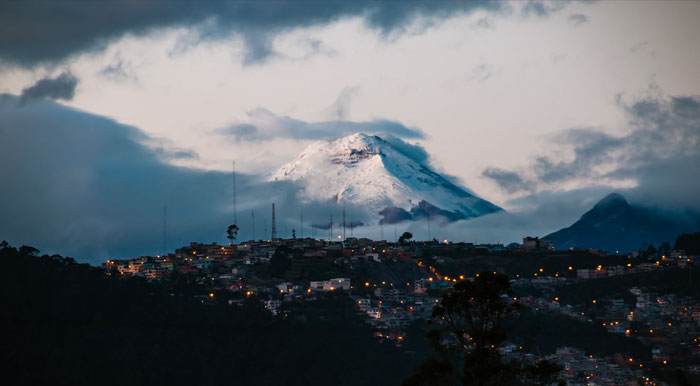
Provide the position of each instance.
(369, 171)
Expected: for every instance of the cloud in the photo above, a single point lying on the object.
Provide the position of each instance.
(340, 108)
(33, 32)
(265, 125)
(508, 181)
(660, 153)
(415, 151)
(542, 8)
(90, 187)
(118, 70)
(62, 87)
(578, 19)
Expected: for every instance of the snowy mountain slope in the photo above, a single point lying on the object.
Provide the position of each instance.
(367, 170)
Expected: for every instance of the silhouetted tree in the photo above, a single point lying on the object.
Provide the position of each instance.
(26, 250)
(471, 326)
(280, 261)
(690, 243)
(405, 237)
(232, 232)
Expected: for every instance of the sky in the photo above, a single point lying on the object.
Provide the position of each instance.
(111, 111)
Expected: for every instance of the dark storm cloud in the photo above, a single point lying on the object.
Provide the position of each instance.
(61, 87)
(87, 186)
(32, 32)
(267, 126)
(661, 152)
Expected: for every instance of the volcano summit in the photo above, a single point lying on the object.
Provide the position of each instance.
(370, 171)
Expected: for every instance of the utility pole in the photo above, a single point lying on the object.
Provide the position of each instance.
(343, 224)
(330, 230)
(301, 221)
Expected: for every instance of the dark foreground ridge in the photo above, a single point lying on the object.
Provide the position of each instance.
(69, 324)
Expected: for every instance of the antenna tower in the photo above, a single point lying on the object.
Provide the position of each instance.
(165, 249)
(274, 223)
(429, 226)
(343, 224)
(235, 218)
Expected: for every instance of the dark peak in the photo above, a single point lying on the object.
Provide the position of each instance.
(611, 200)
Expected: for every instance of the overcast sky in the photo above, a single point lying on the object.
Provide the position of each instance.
(518, 100)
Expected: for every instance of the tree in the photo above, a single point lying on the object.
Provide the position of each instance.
(26, 250)
(690, 243)
(405, 237)
(280, 261)
(232, 232)
(471, 325)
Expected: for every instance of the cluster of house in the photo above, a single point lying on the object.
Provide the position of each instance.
(581, 369)
(676, 259)
(667, 322)
(396, 308)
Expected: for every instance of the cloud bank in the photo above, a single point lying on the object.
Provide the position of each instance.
(264, 125)
(660, 153)
(89, 187)
(31, 32)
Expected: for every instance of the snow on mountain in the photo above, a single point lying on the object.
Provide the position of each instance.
(369, 171)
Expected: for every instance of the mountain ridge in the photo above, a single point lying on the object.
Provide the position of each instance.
(614, 225)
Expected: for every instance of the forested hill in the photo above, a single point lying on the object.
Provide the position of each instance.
(68, 323)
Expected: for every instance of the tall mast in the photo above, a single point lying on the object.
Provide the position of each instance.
(252, 213)
(165, 249)
(429, 226)
(343, 224)
(274, 223)
(235, 218)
